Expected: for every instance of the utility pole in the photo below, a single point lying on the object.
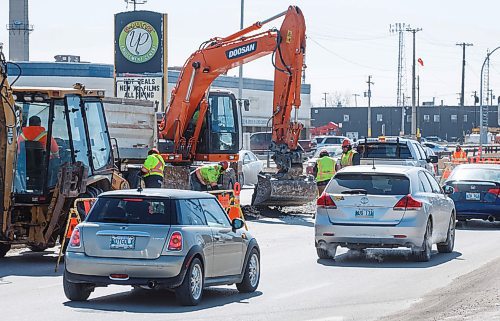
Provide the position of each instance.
(369, 95)
(413, 94)
(356, 99)
(463, 45)
(325, 98)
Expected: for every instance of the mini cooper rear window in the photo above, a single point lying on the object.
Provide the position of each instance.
(132, 210)
(372, 184)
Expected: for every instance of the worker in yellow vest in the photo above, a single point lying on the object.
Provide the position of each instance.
(459, 155)
(152, 169)
(323, 170)
(207, 176)
(349, 156)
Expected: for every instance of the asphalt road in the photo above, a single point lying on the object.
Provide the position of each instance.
(295, 285)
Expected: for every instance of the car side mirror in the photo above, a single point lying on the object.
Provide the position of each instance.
(448, 190)
(432, 159)
(237, 224)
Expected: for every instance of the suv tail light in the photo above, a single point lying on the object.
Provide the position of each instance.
(74, 241)
(325, 201)
(407, 203)
(175, 242)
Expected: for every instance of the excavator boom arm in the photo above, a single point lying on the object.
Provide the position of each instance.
(218, 55)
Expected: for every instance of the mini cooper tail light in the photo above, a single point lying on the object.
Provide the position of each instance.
(75, 240)
(175, 242)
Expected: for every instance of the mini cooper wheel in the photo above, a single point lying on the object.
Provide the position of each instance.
(76, 291)
(251, 278)
(190, 291)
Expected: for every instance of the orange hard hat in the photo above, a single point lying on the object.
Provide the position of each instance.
(224, 165)
(346, 143)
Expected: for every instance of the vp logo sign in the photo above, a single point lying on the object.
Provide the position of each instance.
(241, 50)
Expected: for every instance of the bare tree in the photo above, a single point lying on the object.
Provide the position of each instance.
(339, 99)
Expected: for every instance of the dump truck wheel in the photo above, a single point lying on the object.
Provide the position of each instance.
(37, 248)
(4, 248)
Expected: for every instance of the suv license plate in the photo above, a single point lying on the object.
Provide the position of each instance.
(122, 242)
(472, 196)
(364, 213)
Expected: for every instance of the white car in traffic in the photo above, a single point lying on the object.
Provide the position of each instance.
(384, 206)
(250, 167)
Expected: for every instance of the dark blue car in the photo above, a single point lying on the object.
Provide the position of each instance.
(477, 189)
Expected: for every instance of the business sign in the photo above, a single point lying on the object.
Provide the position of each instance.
(144, 88)
(140, 42)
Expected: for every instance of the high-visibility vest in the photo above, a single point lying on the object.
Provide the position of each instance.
(459, 155)
(326, 168)
(38, 134)
(346, 159)
(210, 173)
(154, 164)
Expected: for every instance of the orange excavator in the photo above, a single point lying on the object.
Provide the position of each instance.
(203, 125)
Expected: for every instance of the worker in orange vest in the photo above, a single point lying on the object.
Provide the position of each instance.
(37, 133)
(459, 155)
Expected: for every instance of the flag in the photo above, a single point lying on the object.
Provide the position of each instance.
(420, 61)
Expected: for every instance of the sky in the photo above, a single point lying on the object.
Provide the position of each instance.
(348, 40)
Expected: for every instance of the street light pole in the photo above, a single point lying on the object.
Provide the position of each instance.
(483, 111)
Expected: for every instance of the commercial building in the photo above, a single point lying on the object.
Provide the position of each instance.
(92, 75)
(447, 122)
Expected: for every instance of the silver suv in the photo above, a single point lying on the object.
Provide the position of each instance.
(160, 238)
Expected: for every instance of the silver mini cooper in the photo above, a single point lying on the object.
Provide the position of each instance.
(160, 238)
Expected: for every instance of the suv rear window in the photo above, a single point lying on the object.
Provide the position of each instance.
(373, 184)
(384, 150)
(132, 210)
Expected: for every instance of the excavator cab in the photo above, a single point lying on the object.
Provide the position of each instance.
(220, 133)
(58, 127)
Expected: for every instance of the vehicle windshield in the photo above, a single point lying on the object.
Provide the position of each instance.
(475, 174)
(332, 151)
(223, 124)
(33, 144)
(131, 210)
(384, 150)
(98, 134)
(372, 184)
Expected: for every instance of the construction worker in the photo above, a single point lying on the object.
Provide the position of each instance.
(36, 132)
(152, 169)
(207, 176)
(349, 156)
(323, 170)
(459, 155)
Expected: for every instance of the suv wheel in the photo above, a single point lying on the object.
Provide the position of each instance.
(447, 246)
(251, 278)
(424, 254)
(191, 289)
(324, 253)
(4, 248)
(76, 291)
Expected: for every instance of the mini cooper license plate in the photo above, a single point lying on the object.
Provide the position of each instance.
(122, 242)
(364, 213)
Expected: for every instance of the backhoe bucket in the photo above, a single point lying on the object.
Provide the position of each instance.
(272, 191)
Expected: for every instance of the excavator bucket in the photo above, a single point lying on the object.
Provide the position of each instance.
(273, 191)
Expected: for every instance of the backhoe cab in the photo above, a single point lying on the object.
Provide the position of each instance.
(63, 152)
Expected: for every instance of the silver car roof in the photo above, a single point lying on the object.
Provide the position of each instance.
(158, 192)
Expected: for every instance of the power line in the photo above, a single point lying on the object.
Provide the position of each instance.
(345, 59)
